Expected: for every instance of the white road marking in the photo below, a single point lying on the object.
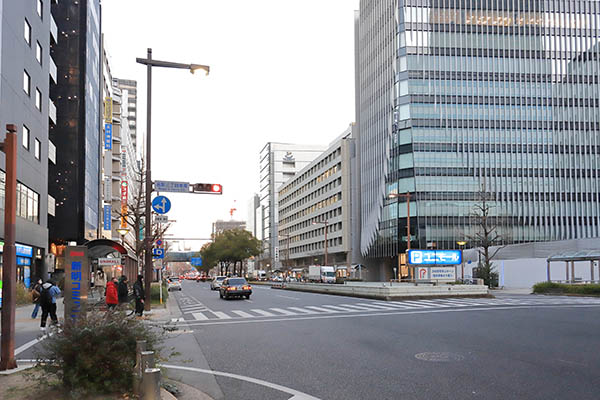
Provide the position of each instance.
(221, 315)
(248, 301)
(199, 316)
(362, 308)
(287, 297)
(395, 305)
(263, 312)
(433, 303)
(372, 305)
(416, 304)
(242, 314)
(303, 310)
(282, 311)
(345, 309)
(320, 309)
(296, 394)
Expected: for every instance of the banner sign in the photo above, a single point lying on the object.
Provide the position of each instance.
(109, 262)
(124, 188)
(434, 257)
(77, 275)
(107, 217)
(108, 110)
(107, 136)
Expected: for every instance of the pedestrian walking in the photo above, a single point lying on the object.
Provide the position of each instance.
(123, 290)
(35, 296)
(112, 297)
(138, 292)
(48, 297)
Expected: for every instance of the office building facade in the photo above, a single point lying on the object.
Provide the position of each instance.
(75, 178)
(278, 163)
(27, 75)
(457, 100)
(315, 201)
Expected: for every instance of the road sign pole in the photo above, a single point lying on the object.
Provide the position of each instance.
(160, 281)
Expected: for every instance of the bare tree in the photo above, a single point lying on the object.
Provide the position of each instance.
(486, 237)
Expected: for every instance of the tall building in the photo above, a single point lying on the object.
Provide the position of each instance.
(278, 163)
(27, 75)
(129, 89)
(75, 178)
(455, 98)
(253, 222)
(315, 209)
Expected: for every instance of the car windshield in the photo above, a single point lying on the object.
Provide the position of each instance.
(174, 279)
(328, 273)
(238, 281)
(220, 278)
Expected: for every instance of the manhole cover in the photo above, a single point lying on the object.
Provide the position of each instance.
(439, 357)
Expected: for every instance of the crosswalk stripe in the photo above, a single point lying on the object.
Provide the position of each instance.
(346, 309)
(395, 305)
(456, 304)
(242, 314)
(372, 305)
(199, 316)
(321, 309)
(360, 308)
(434, 303)
(302, 310)
(188, 310)
(282, 311)
(416, 304)
(263, 313)
(221, 315)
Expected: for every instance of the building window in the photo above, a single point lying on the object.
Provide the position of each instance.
(38, 52)
(26, 83)
(37, 149)
(40, 8)
(25, 137)
(38, 99)
(28, 203)
(27, 32)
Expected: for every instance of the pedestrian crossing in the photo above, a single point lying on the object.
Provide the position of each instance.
(195, 311)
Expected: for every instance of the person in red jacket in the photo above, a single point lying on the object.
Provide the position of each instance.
(112, 296)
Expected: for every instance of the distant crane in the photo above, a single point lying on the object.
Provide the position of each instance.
(232, 210)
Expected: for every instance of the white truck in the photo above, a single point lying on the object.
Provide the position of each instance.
(321, 273)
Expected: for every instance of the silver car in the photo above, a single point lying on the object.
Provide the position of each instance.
(173, 284)
(216, 282)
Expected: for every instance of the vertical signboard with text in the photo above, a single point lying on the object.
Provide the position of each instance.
(77, 277)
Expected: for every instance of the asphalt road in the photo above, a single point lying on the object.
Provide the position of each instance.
(332, 347)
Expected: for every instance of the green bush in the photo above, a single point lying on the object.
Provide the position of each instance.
(23, 295)
(155, 292)
(96, 354)
(564, 288)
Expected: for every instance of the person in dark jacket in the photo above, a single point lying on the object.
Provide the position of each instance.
(112, 297)
(123, 290)
(138, 292)
(48, 297)
(36, 292)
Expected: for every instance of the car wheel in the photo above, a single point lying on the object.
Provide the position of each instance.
(248, 296)
(220, 295)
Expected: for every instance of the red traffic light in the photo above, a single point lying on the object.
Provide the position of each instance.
(216, 188)
(207, 188)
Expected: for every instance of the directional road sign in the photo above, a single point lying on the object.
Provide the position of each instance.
(171, 186)
(161, 205)
(196, 261)
(158, 253)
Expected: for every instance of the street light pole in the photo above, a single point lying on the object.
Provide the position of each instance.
(462, 244)
(149, 62)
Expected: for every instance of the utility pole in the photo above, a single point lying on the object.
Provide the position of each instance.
(9, 259)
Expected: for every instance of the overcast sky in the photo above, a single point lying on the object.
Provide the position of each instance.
(281, 70)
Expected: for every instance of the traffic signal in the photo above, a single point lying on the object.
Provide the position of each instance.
(207, 188)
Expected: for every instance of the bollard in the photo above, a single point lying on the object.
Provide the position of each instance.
(147, 360)
(151, 384)
(140, 347)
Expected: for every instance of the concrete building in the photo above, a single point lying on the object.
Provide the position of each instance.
(75, 178)
(221, 226)
(278, 163)
(253, 223)
(318, 200)
(460, 98)
(27, 76)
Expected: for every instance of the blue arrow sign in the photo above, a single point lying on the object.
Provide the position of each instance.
(158, 253)
(161, 205)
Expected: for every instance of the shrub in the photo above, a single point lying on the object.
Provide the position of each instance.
(565, 288)
(23, 295)
(155, 292)
(96, 353)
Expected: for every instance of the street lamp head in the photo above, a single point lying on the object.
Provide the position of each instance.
(123, 231)
(194, 67)
(461, 243)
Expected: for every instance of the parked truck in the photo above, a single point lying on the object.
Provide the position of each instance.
(321, 273)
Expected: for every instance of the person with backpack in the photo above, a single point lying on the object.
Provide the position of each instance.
(112, 297)
(35, 296)
(138, 291)
(123, 290)
(48, 297)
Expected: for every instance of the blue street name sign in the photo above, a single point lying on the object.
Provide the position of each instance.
(170, 186)
(107, 217)
(161, 205)
(434, 257)
(196, 261)
(107, 136)
(158, 253)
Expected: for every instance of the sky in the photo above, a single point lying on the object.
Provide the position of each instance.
(280, 70)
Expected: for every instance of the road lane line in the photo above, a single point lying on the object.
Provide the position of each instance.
(282, 311)
(200, 316)
(221, 315)
(242, 314)
(263, 312)
(287, 297)
(296, 394)
(303, 310)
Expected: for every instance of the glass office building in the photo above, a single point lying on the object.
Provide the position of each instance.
(460, 97)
